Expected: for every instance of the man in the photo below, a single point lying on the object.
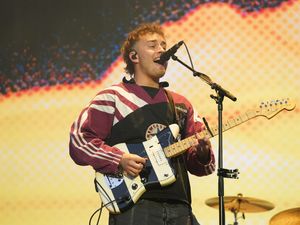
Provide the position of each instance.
(132, 112)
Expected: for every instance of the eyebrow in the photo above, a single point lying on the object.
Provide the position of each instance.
(154, 41)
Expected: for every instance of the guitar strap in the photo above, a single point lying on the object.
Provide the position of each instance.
(176, 160)
(173, 109)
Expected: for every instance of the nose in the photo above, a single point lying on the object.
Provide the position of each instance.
(161, 49)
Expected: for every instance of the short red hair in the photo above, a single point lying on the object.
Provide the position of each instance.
(133, 37)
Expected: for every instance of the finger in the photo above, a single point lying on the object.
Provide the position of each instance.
(203, 147)
(131, 174)
(202, 143)
(138, 166)
(128, 172)
(134, 172)
(205, 142)
(207, 145)
(139, 159)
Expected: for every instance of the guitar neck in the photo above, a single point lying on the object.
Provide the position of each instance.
(181, 146)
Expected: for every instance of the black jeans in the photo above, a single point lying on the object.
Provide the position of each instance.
(146, 212)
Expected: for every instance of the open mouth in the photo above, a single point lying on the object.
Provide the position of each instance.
(160, 62)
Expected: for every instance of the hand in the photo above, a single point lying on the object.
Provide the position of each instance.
(203, 149)
(132, 164)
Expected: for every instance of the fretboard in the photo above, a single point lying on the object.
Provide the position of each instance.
(181, 146)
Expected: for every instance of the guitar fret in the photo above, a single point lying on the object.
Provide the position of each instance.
(193, 139)
(205, 133)
(226, 126)
(179, 147)
(202, 134)
(168, 151)
(182, 144)
(231, 122)
(174, 147)
(215, 131)
(244, 118)
(250, 114)
(238, 120)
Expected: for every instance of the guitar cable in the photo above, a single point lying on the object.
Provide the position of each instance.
(121, 199)
(189, 55)
(105, 193)
(100, 212)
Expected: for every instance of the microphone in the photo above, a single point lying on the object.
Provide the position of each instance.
(164, 57)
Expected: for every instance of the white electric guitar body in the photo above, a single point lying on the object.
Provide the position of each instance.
(122, 191)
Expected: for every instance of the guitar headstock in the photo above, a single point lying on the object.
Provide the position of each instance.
(270, 108)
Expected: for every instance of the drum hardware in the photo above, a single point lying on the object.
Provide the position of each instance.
(286, 217)
(240, 204)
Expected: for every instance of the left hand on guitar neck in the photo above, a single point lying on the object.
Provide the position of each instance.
(203, 149)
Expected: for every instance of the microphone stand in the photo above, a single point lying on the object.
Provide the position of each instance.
(222, 172)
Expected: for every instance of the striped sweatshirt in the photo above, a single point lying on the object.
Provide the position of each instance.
(126, 113)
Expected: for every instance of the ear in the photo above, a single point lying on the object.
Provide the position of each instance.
(133, 56)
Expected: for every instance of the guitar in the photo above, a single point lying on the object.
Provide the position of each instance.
(119, 192)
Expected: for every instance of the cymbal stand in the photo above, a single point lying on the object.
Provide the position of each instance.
(235, 214)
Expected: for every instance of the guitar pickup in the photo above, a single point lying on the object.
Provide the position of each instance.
(160, 157)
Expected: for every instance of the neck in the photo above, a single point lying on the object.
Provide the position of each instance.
(146, 81)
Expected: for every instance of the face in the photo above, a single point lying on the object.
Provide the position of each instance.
(149, 48)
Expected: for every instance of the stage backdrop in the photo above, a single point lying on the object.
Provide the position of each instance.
(256, 56)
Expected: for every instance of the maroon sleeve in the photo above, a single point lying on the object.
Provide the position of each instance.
(88, 132)
(194, 125)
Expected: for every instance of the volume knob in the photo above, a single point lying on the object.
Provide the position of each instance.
(134, 186)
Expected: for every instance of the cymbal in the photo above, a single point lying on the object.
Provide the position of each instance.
(286, 217)
(241, 204)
